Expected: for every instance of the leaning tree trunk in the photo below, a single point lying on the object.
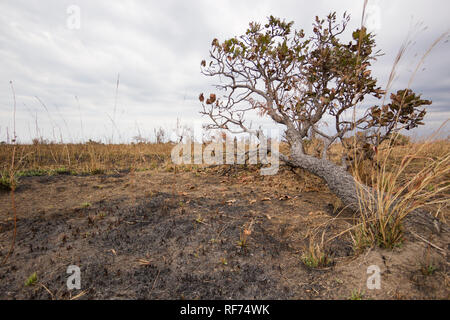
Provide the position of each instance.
(346, 188)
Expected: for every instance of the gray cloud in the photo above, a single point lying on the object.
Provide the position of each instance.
(156, 47)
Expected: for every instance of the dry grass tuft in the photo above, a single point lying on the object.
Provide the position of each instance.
(405, 178)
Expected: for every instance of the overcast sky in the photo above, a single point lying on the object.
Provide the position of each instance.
(65, 74)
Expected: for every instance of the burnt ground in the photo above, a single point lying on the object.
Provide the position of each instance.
(178, 235)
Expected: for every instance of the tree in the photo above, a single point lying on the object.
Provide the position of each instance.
(297, 81)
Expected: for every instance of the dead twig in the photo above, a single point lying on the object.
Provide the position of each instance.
(428, 242)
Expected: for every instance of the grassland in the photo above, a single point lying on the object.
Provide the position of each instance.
(140, 227)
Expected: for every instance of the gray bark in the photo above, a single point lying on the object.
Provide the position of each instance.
(345, 187)
(338, 180)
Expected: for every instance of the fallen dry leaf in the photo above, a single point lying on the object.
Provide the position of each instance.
(144, 262)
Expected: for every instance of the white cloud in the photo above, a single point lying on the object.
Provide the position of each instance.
(373, 16)
(156, 47)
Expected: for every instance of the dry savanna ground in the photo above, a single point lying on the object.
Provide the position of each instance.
(140, 227)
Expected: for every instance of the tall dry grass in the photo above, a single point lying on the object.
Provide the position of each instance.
(87, 158)
(404, 179)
